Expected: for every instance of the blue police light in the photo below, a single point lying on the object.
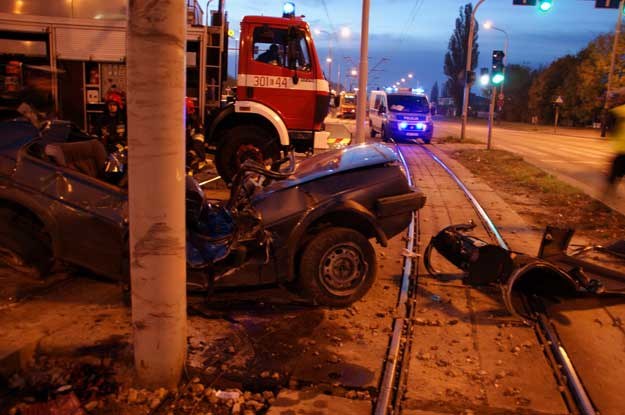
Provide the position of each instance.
(419, 91)
(288, 9)
(403, 125)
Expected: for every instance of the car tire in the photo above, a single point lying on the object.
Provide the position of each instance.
(243, 142)
(427, 139)
(24, 246)
(372, 132)
(319, 276)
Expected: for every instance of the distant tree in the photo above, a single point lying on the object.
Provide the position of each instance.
(434, 93)
(549, 83)
(456, 56)
(516, 92)
(581, 80)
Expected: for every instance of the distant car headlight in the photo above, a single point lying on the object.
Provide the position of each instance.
(421, 126)
(403, 125)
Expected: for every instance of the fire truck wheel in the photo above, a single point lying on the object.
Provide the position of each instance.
(244, 142)
(337, 267)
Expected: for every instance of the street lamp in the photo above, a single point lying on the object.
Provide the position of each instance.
(489, 25)
(467, 85)
(344, 33)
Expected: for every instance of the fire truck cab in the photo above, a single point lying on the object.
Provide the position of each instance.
(282, 96)
(74, 57)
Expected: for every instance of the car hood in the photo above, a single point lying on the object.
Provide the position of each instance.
(335, 162)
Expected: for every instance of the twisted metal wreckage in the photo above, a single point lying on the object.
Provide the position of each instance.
(556, 272)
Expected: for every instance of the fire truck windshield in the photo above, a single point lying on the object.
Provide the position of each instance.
(408, 103)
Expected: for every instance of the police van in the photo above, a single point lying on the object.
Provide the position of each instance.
(400, 114)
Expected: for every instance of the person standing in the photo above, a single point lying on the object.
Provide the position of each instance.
(111, 127)
(617, 169)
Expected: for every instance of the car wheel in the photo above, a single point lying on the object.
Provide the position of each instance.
(24, 246)
(383, 136)
(337, 267)
(241, 143)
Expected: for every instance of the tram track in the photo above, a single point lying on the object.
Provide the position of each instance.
(571, 387)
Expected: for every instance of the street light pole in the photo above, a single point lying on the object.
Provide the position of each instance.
(617, 33)
(489, 25)
(467, 85)
(361, 101)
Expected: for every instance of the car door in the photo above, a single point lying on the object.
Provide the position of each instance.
(90, 214)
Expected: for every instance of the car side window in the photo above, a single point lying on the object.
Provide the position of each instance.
(269, 45)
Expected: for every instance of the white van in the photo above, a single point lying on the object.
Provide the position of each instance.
(400, 114)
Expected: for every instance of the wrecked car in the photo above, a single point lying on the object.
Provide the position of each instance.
(307, 227)
(556, 272)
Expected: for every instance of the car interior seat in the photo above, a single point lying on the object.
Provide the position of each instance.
(87, 157)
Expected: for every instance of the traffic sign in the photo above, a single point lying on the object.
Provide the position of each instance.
(606, 4)
(558, 100)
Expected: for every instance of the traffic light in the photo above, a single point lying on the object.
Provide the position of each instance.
(484, 76)
(524, 2)
(545, 5)
(498, 66)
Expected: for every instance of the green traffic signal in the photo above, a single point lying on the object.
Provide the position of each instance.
(498, 78)
(545, 5)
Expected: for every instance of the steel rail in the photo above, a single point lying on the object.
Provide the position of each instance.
(573, 380)
(490, 226)
(392, 359)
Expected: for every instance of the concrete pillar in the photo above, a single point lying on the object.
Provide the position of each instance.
(156, 91)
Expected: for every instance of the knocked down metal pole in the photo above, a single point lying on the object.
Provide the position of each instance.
(156, 193)
(361, 101)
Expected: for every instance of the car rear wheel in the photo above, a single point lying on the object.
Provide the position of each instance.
(337, 267)
(241, 143)
(24, 246)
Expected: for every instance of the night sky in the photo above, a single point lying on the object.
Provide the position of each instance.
(413, 34)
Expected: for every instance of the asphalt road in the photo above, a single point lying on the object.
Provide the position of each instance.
(578, 159)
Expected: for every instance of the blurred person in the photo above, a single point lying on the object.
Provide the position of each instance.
(617, 169)
(195, 152)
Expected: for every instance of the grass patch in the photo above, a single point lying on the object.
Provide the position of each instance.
(454, 139)
(541, 197)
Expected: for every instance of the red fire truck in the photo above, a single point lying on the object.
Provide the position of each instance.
(78, 54)
(282, 96)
